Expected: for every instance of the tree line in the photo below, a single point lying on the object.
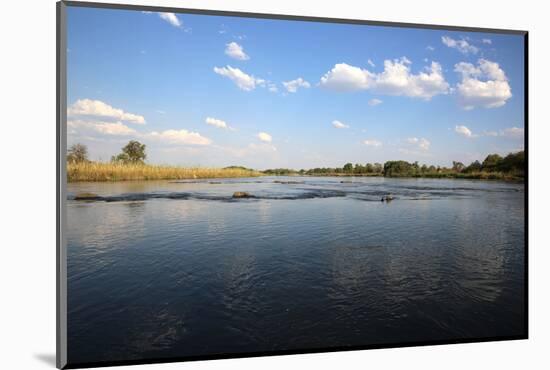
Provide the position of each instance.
(348, 168)
(512, 165)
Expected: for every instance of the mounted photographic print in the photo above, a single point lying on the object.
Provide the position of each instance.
(235, 184)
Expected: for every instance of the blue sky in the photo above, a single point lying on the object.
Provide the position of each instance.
(215, 91)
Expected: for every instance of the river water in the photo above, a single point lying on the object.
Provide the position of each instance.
(160, 269)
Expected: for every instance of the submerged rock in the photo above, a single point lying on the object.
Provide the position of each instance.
(288, 182)
(241, 194)
(86, 196)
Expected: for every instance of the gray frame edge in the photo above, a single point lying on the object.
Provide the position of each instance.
(61, 218)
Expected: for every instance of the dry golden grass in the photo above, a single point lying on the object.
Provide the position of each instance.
(97, 171)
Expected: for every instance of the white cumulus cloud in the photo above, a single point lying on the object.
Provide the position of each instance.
(181, 137)
(236, 51)
(461, 45)
(171, 18)
(265, 137)
(483, 85)
(338, 124)
(464, 131)
(396, 79)
(96, 109)
(344, 77)
(216, 123)
(243, 81)
(105, 128)
(292, 86)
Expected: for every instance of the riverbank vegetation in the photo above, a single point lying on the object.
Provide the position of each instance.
(494, 167)
(130, 165)
(100, 171)
(511, 167)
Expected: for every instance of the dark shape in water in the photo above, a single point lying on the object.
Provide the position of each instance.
(242, 194)
(87, 196)
(387, 198)
(288, 182)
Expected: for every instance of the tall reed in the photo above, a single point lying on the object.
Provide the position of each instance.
(98, 171)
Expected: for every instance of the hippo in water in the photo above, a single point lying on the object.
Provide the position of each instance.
(387, 198)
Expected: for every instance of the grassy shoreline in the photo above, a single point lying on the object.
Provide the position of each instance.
(112, 172)
(105, 172)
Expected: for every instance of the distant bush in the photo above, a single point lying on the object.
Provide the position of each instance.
(237, 168)
(77, 153)
(280, 172)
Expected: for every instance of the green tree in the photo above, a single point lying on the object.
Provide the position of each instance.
(475, 166)
(491, 163)
(398, 168)
(348, 168)
(458, 166)
(415, 167)
(359, 169)
(77, 153)
(133, 152)
(513, 162)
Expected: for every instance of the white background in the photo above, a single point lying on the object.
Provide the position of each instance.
(27, 154)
